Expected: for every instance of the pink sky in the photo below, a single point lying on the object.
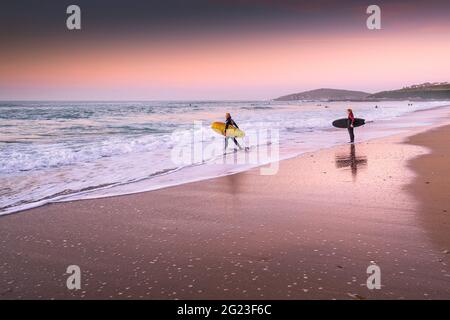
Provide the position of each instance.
(246, 66)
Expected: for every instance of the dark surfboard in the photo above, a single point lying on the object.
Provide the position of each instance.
(342, 123)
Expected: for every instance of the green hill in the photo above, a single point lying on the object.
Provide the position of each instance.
(325, 94)
(425, 91)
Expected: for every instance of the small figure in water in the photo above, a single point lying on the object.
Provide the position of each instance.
(350, 125)
(230, 122)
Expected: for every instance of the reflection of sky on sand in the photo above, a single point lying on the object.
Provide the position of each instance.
(351, 161)
(307, 232)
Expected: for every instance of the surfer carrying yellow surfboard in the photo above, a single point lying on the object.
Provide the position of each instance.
(230, 122)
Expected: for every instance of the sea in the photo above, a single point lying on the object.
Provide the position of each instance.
(64, 151)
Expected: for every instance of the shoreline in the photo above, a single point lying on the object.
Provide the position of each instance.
(242, 236)
(101, 193)
(431, 185)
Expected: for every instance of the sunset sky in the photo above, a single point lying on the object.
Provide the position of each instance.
(217, 49)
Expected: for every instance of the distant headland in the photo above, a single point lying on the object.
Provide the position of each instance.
(424, 91)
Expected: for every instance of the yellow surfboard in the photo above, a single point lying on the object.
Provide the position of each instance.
(219, 127)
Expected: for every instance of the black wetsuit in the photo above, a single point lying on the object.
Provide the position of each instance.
(230, 122)
(350, 123)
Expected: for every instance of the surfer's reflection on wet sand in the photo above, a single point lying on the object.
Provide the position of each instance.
(351, 160)
(233, 184)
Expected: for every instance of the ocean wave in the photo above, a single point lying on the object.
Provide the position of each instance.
(50, 150)
(41, 156)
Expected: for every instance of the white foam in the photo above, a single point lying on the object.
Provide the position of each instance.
(54, 160)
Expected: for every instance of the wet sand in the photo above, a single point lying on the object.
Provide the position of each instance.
(308, 232)
(431, 187)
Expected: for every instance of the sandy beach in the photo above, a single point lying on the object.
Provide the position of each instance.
(225, 156)
(308, 232)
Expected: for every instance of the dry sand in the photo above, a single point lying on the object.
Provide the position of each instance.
(308, 232)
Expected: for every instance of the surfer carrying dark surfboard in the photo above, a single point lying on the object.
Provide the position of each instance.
(350, 125)
(230, 122)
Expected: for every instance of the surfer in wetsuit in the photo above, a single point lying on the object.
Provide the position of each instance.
(350, 124)
(230, 122)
